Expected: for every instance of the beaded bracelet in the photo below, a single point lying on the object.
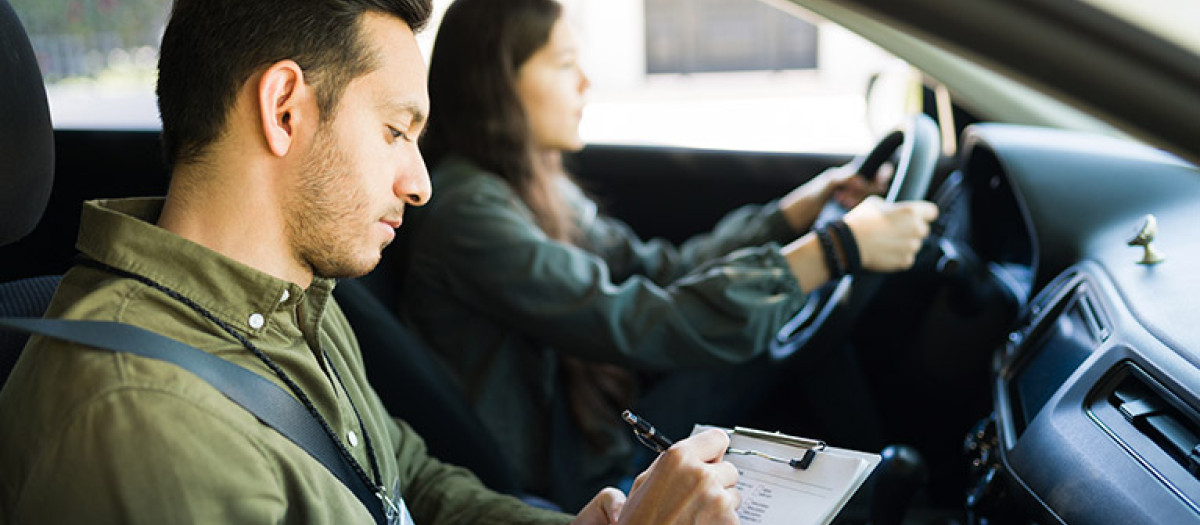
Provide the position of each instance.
(833, 260)
(849, 246)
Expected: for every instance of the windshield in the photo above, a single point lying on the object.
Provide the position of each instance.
(1171, 20)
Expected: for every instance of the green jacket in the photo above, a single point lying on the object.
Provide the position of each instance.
(92, 436)
(498, 300)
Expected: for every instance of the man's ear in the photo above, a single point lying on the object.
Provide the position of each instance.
(285, 102)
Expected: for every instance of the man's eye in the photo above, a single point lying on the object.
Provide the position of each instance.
(397, 134)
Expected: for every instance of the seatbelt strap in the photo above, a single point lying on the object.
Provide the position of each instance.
(267, 401)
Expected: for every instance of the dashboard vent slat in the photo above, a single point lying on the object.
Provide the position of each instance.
(1177, 434)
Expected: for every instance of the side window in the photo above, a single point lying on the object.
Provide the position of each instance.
(754, 37)
(98, 59)
(733, 74)
(722, 74)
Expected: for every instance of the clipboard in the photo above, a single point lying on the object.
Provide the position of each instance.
(778, 487)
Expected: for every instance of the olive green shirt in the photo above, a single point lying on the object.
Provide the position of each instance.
(92, 436)
(499, 300)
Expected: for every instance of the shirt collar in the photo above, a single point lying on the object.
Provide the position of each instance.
(122, 233)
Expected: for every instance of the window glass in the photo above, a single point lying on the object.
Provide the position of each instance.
(98, 59)
(723, 74)
(733, 74)
(1174, 20)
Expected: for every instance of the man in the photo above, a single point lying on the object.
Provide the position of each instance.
(290, 127)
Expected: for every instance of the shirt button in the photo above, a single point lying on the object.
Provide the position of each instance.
(256, 321)
(353, 438)
(286, 295)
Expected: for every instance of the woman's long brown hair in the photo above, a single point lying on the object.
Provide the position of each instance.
(476, 114)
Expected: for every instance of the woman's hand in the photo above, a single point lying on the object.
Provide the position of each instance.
(802, 205)
(852, 191)
(889, 234)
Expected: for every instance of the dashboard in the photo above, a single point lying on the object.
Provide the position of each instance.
(1096, 389)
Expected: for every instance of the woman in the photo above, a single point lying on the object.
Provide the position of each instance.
(544, 308)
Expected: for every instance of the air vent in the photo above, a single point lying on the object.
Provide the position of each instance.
(1051, 292)
(1096, 320)
(1144, 407)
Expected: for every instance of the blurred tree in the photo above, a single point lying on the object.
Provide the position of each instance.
(136, 22)
(76, 38)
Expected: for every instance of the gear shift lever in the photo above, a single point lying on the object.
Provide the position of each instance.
(900, 473)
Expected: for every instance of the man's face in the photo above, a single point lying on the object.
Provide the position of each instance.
(363, 167)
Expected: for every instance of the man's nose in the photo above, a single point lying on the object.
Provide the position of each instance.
(412, 184)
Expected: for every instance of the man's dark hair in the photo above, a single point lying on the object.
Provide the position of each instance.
(211, 47)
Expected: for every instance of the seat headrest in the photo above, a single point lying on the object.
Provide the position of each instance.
(26, 135)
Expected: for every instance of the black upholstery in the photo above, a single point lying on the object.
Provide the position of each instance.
(23, 298)
(26, 172)
(415, 387)
(26, 135)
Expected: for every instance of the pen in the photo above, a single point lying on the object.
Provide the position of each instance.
(646, 432)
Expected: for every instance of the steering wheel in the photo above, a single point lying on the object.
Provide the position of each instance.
(830, 310)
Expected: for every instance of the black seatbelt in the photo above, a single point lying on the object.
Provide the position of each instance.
(267, 401)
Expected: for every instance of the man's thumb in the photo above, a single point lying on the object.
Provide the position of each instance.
(611, 502)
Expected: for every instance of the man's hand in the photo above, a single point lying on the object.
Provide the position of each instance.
(889, 234)
(688, 484)
(604, 509)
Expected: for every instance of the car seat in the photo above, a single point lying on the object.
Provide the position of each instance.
(417, 388)
(26, 172)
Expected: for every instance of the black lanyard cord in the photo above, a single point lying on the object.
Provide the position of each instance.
(279, 372)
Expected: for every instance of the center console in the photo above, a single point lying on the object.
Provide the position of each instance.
(1089, 424)
(1060, 328)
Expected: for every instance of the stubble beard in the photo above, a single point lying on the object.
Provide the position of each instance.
(325, 210)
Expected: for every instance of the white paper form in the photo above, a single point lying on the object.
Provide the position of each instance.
(775, 493)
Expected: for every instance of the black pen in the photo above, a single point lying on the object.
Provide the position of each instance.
(646, 432)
